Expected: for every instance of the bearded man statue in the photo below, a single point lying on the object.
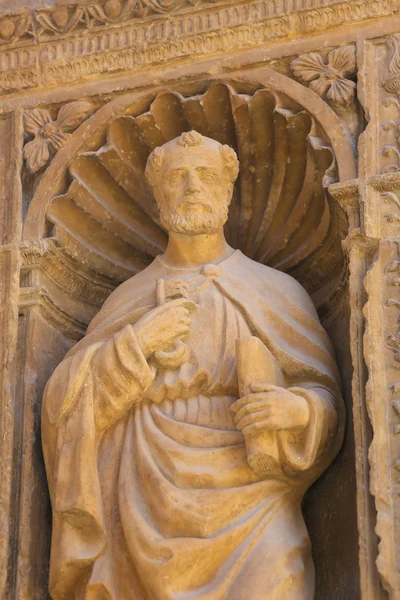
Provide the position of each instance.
(182, 432)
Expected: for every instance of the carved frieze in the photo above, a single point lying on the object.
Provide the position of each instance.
(66, 19)
(74, 41)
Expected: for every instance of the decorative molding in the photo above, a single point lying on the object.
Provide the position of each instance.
(68, 275)
(387, 182)
(347, 195)
(392, 329)
(65, 44)
(391, 83)
(63, 321)
(328, 79)
(388, 186)
(16, 27)
(69, 18)
(393, 199)
(51, 135)
(382, 353)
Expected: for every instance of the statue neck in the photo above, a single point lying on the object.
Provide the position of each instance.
(195, 250)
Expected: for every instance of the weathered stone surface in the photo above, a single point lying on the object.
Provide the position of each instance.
(202, 403)
(101, 84)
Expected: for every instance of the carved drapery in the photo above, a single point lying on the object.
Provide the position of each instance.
(65, 279)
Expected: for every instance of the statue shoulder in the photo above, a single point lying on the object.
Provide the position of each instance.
(135, 292)
(133, 286)
(269, 281)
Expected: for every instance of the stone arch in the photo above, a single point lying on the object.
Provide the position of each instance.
(281, 214)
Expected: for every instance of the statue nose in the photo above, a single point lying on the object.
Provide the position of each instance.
(192, 183)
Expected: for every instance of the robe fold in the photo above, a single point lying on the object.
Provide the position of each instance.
(152, 494)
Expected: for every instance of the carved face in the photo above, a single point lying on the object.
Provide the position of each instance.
(194, 193)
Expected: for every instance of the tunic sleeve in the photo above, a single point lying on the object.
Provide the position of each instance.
(87, 393)
(304, 455)
(120, 375)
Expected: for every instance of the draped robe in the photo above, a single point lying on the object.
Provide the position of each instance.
(152, 495)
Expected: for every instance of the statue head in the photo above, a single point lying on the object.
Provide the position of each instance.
(192, 178)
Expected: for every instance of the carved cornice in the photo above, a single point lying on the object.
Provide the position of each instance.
(64, 44)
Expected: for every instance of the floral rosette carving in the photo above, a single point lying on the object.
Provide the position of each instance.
(51, 135)
(328, 78)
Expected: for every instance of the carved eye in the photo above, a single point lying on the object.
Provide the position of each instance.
(174, 177)
(206, 175)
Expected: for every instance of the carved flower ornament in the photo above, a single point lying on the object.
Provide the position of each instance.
(328, 78)
(49, 134)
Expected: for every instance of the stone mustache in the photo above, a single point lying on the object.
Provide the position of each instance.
(182, 432)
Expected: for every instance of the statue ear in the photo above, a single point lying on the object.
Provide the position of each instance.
(229, 191)
(157, 193)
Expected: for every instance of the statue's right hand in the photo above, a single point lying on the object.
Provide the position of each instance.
(159, 329)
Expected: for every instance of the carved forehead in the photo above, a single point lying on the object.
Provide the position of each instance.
(191, 149)
(178, 156)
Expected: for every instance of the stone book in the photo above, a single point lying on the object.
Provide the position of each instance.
(256, 364)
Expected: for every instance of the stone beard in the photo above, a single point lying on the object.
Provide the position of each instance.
(146, 433)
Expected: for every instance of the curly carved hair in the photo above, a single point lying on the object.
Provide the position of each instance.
(191, 139)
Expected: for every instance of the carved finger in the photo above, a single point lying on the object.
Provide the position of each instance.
(178, 312)
(250, 408)
(180, 330)
(269, 424)
(182, 302)
(174, 357)
(244, 400)
(252, 419)
(185, 321)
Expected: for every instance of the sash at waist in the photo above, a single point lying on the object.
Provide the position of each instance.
(210, 412)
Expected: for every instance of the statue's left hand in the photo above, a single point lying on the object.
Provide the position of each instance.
(270, 408)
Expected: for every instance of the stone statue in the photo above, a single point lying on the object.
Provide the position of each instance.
(182, 432)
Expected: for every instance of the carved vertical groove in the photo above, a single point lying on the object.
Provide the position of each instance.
(10, 218)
